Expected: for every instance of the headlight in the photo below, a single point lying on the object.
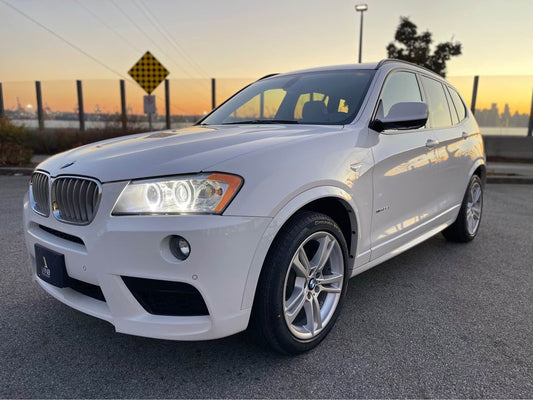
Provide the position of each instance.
(207, 193)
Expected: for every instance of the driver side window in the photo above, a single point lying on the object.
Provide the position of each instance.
(399, 87)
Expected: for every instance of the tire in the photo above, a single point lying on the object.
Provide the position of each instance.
(302, 284)
(466, 226)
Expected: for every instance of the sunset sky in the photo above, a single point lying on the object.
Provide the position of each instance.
(237, 41)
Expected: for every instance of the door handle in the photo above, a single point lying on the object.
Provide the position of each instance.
(431, 143)
(355, 167)
(464, 135)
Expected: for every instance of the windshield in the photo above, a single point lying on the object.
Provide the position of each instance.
(325, 97)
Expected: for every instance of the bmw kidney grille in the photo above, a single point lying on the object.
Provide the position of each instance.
(74, 200)
(39, 194)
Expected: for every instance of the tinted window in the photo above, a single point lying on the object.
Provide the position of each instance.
(324, 97)
(455, 118)
(263, 105)
(306, 98)
(439, 113)
(459, 105)
(399, 87)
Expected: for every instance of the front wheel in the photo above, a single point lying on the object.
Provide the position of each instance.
(466, 226)
(302, 284)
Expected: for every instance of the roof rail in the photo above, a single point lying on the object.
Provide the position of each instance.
(268, 76)
(392, 60)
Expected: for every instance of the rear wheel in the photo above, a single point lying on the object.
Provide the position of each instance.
(466, 226)
(302, 285)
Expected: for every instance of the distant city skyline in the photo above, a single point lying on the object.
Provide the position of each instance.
(187, 96)
(103, 96)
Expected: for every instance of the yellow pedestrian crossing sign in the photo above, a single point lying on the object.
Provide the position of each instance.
(148, 72)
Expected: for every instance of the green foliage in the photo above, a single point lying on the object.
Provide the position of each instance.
(415, 48)
(14, 144)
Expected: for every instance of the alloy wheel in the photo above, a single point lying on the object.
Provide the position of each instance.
(473, 208)
(313, 285)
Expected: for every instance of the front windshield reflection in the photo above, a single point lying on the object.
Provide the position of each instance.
(325, 97)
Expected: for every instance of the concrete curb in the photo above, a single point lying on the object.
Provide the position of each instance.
(520, 180)
(15, 171)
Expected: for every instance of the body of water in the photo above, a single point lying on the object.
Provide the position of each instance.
(70, 124)
(62, 124)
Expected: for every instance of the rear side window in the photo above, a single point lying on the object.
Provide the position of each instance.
(458, 103)
(399, 87)
(439, 113)
(453, 113)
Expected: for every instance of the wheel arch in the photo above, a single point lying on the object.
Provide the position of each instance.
(329, 200)
(478, 168)
(340, 212)
(481, 171)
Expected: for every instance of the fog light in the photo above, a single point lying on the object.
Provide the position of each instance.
(179, 247)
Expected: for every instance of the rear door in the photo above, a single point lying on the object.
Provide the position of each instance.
(452, 152)
(404, 174)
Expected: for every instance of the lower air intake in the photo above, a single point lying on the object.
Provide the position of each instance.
(167, 297)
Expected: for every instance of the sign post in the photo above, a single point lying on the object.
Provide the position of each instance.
(149, 108)
(148, 72)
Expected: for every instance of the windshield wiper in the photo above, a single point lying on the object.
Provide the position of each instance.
(263, 121)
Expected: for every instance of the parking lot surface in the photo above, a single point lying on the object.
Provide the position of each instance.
(441, 320)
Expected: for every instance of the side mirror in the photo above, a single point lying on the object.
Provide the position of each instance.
(406, 115)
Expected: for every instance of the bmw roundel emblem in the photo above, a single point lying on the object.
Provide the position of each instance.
(66, 165)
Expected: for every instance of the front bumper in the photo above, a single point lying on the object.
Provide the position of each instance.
(222, 249)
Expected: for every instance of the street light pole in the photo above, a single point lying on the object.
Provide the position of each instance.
(361, 8)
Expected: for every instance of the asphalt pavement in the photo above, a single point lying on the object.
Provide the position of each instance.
(440, 320)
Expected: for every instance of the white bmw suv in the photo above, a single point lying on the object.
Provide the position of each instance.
(258, 215)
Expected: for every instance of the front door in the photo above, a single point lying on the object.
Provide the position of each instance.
(404, 173)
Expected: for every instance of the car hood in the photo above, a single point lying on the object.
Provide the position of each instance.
(169, 152)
